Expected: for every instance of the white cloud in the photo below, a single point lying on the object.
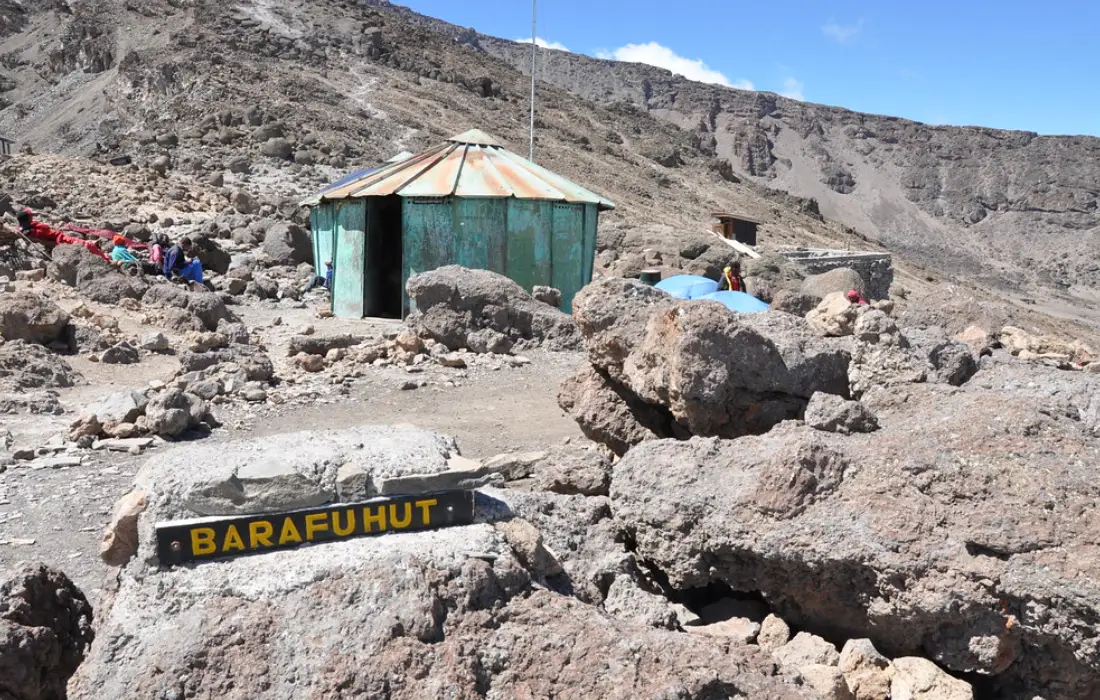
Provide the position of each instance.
(544, 44)
(840, 32)
(655, 54)
(792, 88)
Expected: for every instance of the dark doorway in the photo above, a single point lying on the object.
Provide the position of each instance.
(387, 280)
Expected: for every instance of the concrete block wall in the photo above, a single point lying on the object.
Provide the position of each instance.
(876, 269)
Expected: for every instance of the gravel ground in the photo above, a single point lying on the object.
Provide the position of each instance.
(56, 515)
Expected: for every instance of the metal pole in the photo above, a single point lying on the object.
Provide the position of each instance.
(534, 50)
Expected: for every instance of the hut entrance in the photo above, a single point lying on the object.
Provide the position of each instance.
(386, 282)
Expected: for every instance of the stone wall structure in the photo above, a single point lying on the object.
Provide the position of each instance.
(876, 269)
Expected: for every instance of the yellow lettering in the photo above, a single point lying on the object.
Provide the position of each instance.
(259, 533)
(202, 541)
(370, 520)
(425, 507)
(289, 533)
(315, 522)
(232, 539)
(401, 522)
(343, 531)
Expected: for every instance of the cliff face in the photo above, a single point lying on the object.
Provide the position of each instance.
(994, 204)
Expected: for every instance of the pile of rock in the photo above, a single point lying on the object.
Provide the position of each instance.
(224, 364)
(350, 356)
(882, 354)
(1074, 355)
(858, 671)
(164, 412)
(32, 330)
(170, 306)
(484, 312)
(899, 536)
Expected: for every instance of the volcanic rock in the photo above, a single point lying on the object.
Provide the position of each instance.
(484, 312)
(45, 632)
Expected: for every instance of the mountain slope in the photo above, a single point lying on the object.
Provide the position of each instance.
(277, 98)
(1009, 209)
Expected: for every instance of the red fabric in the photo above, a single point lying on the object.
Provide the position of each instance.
(43, 232)
(733, 282)
(104, 233)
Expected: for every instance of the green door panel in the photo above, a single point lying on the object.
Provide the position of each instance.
(349, 268)
(568, 251)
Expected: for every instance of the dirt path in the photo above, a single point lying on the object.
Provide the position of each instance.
(56, 515)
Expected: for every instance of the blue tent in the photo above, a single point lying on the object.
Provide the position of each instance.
(736, 301)
(687, 286)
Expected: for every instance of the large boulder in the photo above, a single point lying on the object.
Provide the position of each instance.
(67, 261)
(840, 280)
(287, 244)
(173, 412)
(32, 318)
(692, 367)
(209, 309)
(770, 274)
(484, 312)
(835, 316)
(470, 624)
(610, 414)
(118, 408)
(967, 538)
(45, 632)
(91, 275)
(28, 366)
(457, 605)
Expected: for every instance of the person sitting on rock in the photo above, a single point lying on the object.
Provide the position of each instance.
(855, 297)
(176, 258)
(319, 281)
(731, 278)
(192, 273)
(156, 254)
(122, 257)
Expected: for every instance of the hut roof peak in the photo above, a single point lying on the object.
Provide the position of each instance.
(475, 137)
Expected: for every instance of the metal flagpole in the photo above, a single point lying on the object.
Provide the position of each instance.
(534, 50)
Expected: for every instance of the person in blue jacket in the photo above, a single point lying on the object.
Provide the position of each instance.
(176, 257)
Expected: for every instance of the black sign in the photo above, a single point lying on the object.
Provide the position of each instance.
(216, 538)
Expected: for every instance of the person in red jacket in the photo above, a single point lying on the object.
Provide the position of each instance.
(855, 297)
(42, 232)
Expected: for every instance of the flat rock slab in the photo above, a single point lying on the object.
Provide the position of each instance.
(300, 470)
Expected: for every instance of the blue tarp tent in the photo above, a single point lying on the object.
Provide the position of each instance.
(736, 301)
(687, 286)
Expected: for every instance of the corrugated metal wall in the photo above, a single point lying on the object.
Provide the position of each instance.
(322, 232)
(533, 242)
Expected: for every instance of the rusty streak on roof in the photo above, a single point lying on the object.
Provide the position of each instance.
(473, 165)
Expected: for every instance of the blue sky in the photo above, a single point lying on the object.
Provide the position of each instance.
(1013, 64)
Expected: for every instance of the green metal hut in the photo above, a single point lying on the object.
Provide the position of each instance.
(468, 202)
